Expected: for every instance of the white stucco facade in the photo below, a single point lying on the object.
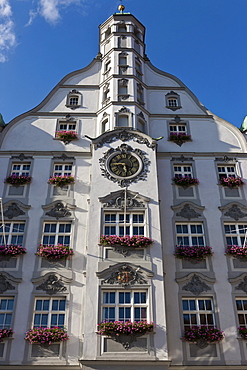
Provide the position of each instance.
(121, 103)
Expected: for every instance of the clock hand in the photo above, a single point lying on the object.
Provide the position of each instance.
(122, 164)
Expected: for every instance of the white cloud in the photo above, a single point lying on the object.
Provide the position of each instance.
(7, 34)
(50, 9)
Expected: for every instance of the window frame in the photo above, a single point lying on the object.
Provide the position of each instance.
(173, 96)
(197, 312)
(183, 172)
(11, 234)
(132, 305)
(50, 311)
(117, 224)
(74, 94)
(189, 234)
(56, 234)
(62, 172)
(238, 235)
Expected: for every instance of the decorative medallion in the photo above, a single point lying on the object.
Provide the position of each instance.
(64, 157)
(124, 165)
(59, 211)
(120, 200)
(235, 212)
(52, 285)
(196, 286)
(5, 284)
(187, 212)
(126, 276)
(13, 211)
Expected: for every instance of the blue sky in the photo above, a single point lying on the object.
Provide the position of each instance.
(202, 42)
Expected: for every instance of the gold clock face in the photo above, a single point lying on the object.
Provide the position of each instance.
(125, 165)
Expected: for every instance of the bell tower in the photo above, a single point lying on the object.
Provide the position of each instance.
(122, 92)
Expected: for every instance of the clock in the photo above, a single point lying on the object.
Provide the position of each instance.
(124, 165)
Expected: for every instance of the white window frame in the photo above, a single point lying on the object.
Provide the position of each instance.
(21, 171)
(173, 101)
(241, 313)
(64, 169)
(237, 231)
(190, 235)
(130, 224)
(57, 234)
(199, 314)
(74, 94)
(49, 312)
(226, 170)
(7, 312)
(183, 170)
(117, 305)
(67, 126)
(12, 232)
(180, 128)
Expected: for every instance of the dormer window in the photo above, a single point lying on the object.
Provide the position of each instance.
(74, 99)
(173, 101)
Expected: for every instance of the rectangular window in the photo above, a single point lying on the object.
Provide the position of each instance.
(73, 100)
(190, 234)
(183, 170)
(235, 234)
(49, 312)
(67, 126)
(241, 306)
(14, 233)
(56, 233)
(22, 169)
(62, 169)
(124, 305)
(181, 128)
(198, 311)
(172, 102)
(115, 224)
(225, 171)
(6, 312)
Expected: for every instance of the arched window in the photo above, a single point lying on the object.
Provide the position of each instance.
(74, 99)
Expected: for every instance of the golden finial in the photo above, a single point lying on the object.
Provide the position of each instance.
(121, 7)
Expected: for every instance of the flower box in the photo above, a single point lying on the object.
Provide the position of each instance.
(199, 334)
(194, 253)
(66, 136)
(11, 250)
(17, 180)
(117, 328)
(135, 241)
(185, 181)
(237, 252)
(242, 332)
(61, 181)
(179, 138)
(5, 333)
(55, 252)
(231, 182)
(46, 335)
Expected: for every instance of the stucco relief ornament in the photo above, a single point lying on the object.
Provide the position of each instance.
(52, 285)
(235, 212)
(243, 285)
(13, 211)
(59, 211)
(196, 286)
(5, 284)
(126, 276)
(187, 212)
